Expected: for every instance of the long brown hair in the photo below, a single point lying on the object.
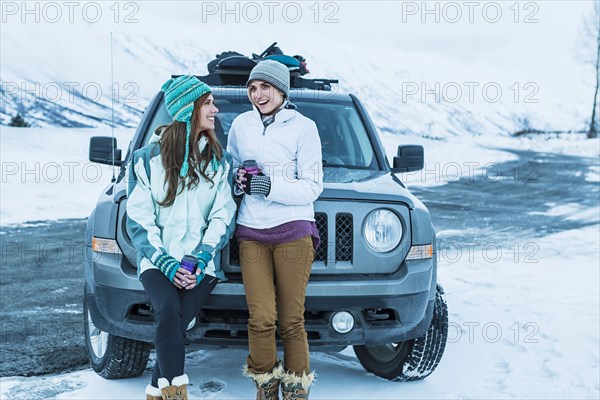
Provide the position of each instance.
(172, 151)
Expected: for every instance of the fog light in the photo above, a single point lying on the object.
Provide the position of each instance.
(342, 322)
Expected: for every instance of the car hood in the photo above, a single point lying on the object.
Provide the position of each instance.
(351, 184)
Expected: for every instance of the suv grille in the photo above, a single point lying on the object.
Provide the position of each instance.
(234, 251)
(343, 241)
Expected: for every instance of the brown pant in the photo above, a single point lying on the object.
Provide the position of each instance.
(275, 279)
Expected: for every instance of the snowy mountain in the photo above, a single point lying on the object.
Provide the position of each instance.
(63, 80)
(80, 112)
(77, 93)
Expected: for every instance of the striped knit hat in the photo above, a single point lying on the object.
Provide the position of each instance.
(180, 94)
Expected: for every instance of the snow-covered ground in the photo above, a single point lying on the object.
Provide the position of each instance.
(523, 323)
(524, 326)
(519, 329)
(47, 175)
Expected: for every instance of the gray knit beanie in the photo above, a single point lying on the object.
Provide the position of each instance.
(272, 72)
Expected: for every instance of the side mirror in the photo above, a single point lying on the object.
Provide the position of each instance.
(103, 150)
(410, 158)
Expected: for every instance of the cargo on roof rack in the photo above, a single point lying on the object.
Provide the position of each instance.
(231, 68)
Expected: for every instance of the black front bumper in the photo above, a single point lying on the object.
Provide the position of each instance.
(223, 321)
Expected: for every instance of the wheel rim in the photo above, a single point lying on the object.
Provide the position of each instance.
(97, 338)
(388, 352)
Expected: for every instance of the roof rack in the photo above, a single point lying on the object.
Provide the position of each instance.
(239, 79)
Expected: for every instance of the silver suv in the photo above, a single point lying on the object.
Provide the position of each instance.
(373, 284)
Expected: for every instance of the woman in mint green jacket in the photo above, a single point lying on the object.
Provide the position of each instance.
(179, 203)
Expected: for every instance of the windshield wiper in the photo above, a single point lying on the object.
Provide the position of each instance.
(328, 164)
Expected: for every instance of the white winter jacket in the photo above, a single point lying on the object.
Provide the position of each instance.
(199, 219)
(289, 152)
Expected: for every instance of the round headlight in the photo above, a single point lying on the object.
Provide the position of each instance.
(383, 230)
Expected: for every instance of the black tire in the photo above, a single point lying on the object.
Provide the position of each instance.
(118, 357)
(414, 359)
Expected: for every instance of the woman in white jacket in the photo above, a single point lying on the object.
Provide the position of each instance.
(179, 204)
(276, 228)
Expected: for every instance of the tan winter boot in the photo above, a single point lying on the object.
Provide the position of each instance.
(177, 390)
(295, 387)
(267, 384)
(153, 393)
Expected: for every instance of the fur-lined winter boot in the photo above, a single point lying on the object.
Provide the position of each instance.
(267, 384)
(295, 387)
(177, 390)
(153, 393)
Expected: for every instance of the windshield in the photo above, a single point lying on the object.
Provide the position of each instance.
(344, 139)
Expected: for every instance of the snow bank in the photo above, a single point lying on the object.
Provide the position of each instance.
(47, 175)
(523, 324)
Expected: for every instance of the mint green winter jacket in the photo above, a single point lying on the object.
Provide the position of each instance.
(200, 219)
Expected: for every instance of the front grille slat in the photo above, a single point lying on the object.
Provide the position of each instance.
(234, 252)
(343, 237)
(321, 222)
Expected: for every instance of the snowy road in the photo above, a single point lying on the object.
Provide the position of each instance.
(540, 194)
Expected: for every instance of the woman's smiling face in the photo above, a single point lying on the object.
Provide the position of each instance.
(207, 114)
(265, 96)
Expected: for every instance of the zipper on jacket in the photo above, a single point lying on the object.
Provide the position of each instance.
(262, 156)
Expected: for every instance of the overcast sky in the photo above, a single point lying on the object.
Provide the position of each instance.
(503, 32)
(534, 36)
(460, 28)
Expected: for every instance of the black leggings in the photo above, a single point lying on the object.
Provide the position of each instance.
(174, 309)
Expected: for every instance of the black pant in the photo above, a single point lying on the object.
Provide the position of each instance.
(174, 309)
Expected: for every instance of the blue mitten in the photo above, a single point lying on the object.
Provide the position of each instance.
(168, 265)
(204, 258)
